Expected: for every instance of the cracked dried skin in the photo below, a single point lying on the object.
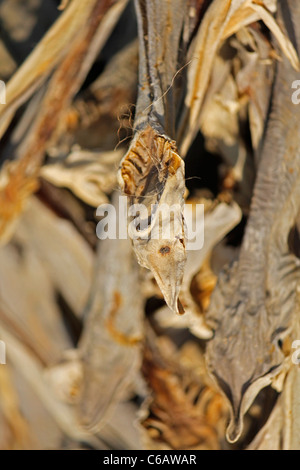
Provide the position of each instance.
(253, 305)
(147, 165)
(185, 412)
(152, 173)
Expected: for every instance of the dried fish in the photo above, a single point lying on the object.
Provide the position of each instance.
(103, 112)
(152, 172)
(90, 175)
(180, 103)
(20, 177)
(282, 430)
(49, 53)
(111, 340)
(219, 220)
(67, 257)
(221, 20)
(31, 368)
(10, 409)
(253, 305)
(185, 413)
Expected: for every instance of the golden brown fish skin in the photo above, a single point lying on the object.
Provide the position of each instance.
(151, 153)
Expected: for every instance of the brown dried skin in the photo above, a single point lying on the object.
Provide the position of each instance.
(147, 165)
(253, 305)
(184, 413)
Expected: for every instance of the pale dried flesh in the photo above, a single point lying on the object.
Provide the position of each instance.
(109, 341)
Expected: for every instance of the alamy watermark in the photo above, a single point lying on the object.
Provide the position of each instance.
(163, 223)
(2, 352)
(296, 94)
(2, 92)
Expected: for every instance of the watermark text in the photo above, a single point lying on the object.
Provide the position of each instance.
(2, 352)
(296, 94)
(157, 222)
(2, 92)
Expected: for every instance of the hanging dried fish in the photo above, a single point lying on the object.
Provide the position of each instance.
(152, 172)
(71, 268)
(18, 179)
(52, 50)
(186, 411)
(253, 305)
(220, 218)
(221, 20)
(29, 366)
(110, 344)
(282, 430)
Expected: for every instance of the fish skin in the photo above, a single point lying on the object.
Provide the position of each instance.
(152, 171)
(254, 302)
